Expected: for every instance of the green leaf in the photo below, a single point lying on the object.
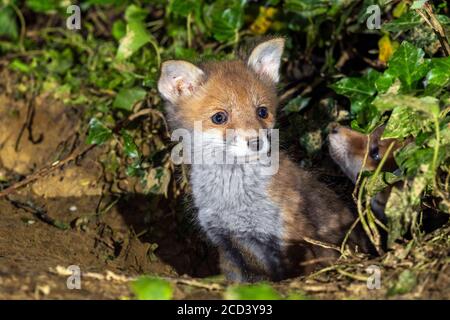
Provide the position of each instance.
(135, 37)
(412, 157)
(105, 2)
(18, 65)
(59, 62)
(149, 288)
(418, 4)
(427, 105)
(312, 8)
(396, 127)
(380, 182)
(408, 64)
(402, 207)
(184, 7)
(135, 13)
(131, 151)
(385, 81)
(129, 147)
(224, 18)
(98, 132)
(119, 29)
(360, 90)
(406, 282)
(8, 25)
(43, 5)
(252, 292)
(127, 98)
(439, 76)
(406, 22)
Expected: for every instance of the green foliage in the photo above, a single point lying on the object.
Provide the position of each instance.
(8, 26)
(126, 98)
(260, 291)
(408, 65)
(98, 132)
(406, 282)
(410, 94)
(149, 288)
(225, 18)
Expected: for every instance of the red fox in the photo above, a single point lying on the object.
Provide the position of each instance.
(265, 227)
(348, 149)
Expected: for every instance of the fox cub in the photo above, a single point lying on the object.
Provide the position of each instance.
(263, 225)
(348, 148)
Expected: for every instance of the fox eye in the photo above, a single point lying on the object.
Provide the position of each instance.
(219, 118)
(375, 154)
(262, 112)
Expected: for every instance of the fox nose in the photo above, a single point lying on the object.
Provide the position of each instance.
(255, 144)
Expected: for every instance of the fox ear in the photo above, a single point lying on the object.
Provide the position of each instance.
(179, 79)
(265, 59)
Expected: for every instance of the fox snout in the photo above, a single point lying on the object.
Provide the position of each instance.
(248, 142)
(348, 149)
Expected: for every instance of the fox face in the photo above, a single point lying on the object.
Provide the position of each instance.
(348, 148)
(231, 103)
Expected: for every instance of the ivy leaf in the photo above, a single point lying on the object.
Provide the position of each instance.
(428, 105)
(385, 81)
(43, 5)
(311, 8)
(119, 29)
(261, 291)
(127, 98)
(418, 4)
(18, 65)
(400, 9)
(406, 22)
(406, 282)
(225, 18)
(408, 64)
(131, 151)
(402, 207)
(8, 25)
(401, 115)
(360, 90)
(135, 13)
(136, 35)
(411, 157)
(98, 132)
(439, 75)
(149, 288)
(129, 147)
(183, 7)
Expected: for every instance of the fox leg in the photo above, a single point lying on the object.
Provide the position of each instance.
(248, 259)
